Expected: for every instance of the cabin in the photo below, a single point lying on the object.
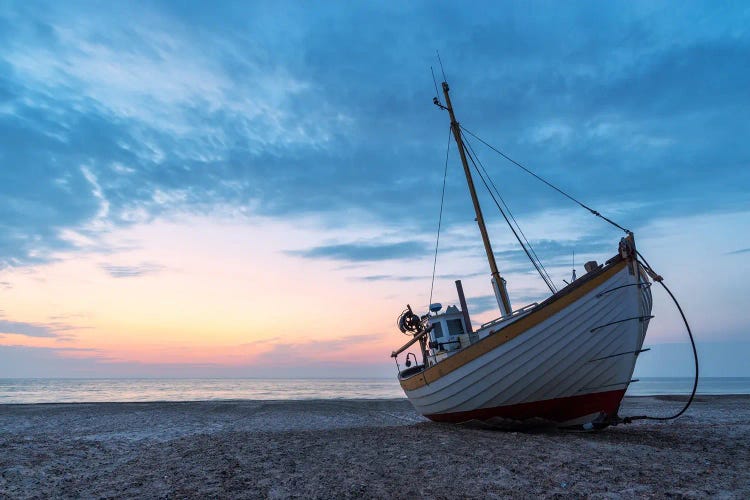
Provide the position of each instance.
(448, 334)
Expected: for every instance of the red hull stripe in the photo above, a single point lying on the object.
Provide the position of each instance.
(557, 410)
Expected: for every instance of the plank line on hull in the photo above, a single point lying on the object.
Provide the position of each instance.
(507, 377)
(543, 311)
(561, 367)
(553, 353)
(506, 370)
(500, 374)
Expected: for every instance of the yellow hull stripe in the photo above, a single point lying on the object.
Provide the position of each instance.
(512, 331)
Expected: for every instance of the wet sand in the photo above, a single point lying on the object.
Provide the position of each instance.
(374, 449)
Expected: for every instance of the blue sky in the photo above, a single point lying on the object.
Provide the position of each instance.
(119, 116)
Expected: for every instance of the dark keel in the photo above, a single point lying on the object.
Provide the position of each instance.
(555, 410)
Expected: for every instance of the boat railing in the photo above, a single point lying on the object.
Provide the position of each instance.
(512, 315)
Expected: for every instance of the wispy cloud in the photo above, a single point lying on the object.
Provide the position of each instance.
(27, 329)
(117, 70)
(54, 328)
(120, 271)
(520, 296)
(365, 252)
(741, 250)
(407, 277)
(482, 304)
(303, 351)
(390, 277)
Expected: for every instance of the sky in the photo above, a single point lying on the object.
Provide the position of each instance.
(252, 189)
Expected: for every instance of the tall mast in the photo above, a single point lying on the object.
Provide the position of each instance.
(500, 289)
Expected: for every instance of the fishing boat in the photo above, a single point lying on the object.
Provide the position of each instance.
(566, 360)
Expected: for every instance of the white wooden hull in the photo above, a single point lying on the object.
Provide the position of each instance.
(570, 366)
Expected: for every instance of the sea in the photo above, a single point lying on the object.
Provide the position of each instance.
(60, 390)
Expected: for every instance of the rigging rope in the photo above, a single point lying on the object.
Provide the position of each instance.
(542, 179)
(549, 284)
(549, 281)
(440, 218)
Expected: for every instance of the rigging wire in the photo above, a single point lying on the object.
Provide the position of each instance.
(531, 248)
(440, 218)
(549, 284)
(542, 179)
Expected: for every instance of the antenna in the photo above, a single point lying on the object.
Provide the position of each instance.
(441, 66)
(574, 265)
(436, 100)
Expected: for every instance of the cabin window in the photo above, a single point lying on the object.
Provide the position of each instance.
(455, 327)
(437, 332)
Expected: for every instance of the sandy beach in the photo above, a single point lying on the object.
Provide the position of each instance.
(374, 449)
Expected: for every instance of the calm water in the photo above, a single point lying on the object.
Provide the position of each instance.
(92, 390)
